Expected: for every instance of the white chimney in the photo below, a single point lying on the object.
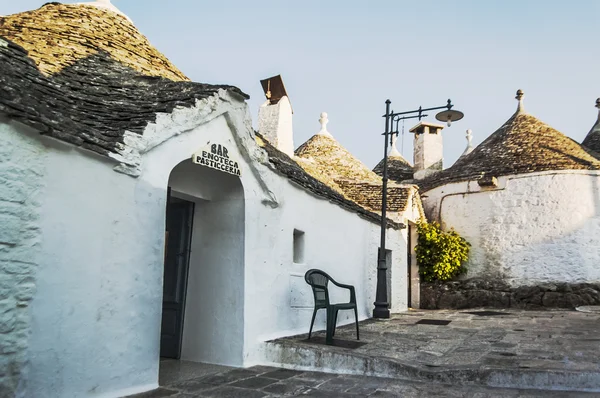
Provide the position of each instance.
(275, 116)
(428, 149)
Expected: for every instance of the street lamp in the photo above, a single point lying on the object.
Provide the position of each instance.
(382, 307)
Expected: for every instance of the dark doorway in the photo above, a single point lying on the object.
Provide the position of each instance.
(178, 234)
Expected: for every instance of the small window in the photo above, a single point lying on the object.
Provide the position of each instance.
(298, 246)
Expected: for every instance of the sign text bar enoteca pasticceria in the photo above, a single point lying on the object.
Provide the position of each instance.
(216, 156)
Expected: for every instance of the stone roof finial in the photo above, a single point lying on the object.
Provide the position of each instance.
(394, 149)
(520, 94)
(469, 148)
(592, 139)
(324, 120)
(597, 125)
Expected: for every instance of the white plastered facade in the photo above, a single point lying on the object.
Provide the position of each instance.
(532, 228)
(95, 267)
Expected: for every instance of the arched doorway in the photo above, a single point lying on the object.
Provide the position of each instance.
(203, 291)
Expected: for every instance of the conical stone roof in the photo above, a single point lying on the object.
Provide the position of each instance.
(592, 140)
(399, 169)
(329, 162)
(334, 159)
(524, 144)
(317, 182)
(58, 35)
(85, 75)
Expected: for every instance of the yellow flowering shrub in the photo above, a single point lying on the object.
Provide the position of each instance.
(440, 254)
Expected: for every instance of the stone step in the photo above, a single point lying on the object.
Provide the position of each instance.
(292, 353)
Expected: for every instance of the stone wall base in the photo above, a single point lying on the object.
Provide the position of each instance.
(477, 292)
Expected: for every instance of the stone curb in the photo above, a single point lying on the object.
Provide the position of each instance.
(291, 356)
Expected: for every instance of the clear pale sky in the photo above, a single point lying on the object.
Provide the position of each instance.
(347, 57)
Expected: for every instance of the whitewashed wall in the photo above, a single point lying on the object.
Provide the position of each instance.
(534, 228)
(95, 312)
(336, 241)
(21, 185)
(95, 327)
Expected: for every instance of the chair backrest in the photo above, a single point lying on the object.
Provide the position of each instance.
(318, 280)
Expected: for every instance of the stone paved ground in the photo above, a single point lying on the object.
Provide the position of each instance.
(558, 339)
(526, 349)
(551, 343)
(269, 382)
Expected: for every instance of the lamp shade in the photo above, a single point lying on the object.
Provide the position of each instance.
(449, 116)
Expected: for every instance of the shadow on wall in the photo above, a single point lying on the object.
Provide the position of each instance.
(213, 327)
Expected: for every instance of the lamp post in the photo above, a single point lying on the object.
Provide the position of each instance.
(382, 307)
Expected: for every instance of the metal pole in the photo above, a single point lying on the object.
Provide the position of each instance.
(381, 309)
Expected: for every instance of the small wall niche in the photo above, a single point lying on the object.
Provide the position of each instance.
(299, 246)
(388, 272)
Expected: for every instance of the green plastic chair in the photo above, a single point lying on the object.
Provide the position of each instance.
(318, 281)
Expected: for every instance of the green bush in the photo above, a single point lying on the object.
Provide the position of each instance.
(440, 254)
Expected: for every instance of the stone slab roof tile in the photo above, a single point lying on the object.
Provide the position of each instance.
(58, 35)
(288, 167)
(592, 142)
(336, 167)
(369, 195)
(313, 168)
(334, 159)
(90, 99)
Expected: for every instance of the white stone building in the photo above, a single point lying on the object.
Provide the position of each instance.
(141, 216)
(528, 200)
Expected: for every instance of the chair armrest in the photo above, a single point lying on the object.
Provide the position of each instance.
(349, 287)
(340, 284)
(352, 294)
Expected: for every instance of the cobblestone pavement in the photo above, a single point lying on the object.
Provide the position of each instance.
(269, 382)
